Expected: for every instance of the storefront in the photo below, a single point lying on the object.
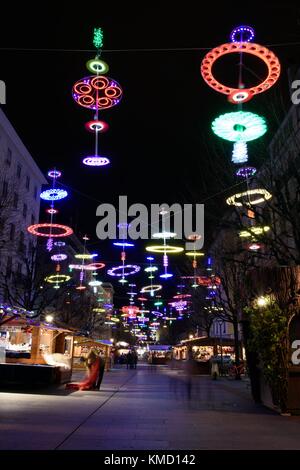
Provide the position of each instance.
(32, 352)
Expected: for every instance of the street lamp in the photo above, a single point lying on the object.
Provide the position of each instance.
(262, 301)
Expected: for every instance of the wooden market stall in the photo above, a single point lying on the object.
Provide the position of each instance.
(83, 345)
(200, 351)
(32, 352)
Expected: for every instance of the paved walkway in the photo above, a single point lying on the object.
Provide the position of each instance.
(151, 408)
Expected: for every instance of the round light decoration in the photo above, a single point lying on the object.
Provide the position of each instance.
(54, 174)
(53, 194)
(81, 267)
(97, 66)
(164, 249)
(95, 283)
(97, 92)
(123, 244)
(164, 235)
(59, 243)
(149, 289)
(151, 269)
(246, 171)
(85, 256)
(133, 269)
(254, 231)
(239, 126)
(52, 211)
(166, 275)
(59, 257)
(194, 253)
(95, 266)
(96, 126)
(242, 34)
(237, 95)
(259, 196)
(63, 230)
(57, 278)
(254, 246)
(95, 160)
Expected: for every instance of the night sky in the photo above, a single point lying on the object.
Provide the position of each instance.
(159, 142)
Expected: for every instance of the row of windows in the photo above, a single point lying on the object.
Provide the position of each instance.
(27, 184)
(12, 231)
(15, 196)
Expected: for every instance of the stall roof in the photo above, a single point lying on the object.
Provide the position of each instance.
(206, 341)
(159, 347)
(84, 340)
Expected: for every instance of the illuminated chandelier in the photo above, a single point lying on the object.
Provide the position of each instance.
(97, 92)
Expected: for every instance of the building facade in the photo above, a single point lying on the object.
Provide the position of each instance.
(20, 187)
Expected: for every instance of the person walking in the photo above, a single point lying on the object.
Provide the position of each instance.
(134, 358)
(129, 360)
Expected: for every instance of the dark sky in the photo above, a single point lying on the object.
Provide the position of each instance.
(159, 138)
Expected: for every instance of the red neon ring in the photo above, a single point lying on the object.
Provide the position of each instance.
(268, 57)
(66, 231)
(91, 126)
(82, 88)
(104, 83)
(96, 265)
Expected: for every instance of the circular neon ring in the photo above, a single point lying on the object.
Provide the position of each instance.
(84, 256)
(95, 161)
(133, 269)
(95, 265)
(59, 243)
(59, 257)
(262, 196)
(242, 30)
(52, 211)
(163, 235)
(194, 253)
(239, 126)
(53, 194)
(153, 288)
(97, 66)
(246, 171)
(54, 174)
(66, 231)
(96, 126)
(164, 249)
(57, 278)
(268, 57)
(81, 267)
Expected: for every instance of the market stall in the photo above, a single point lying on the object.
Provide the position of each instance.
(33, 352)
(83, 345)
(159, 353)
(200, 352)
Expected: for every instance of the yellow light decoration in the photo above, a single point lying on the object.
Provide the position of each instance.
(153, 288)
(84, 256)
(166, 249)
(57, 278)
(256, 230)
(262, 195)
(99, 310)
(194, 253)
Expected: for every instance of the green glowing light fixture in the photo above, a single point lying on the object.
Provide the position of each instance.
(239, 126)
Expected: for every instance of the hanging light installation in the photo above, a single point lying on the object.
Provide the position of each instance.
(97, 92)
(194, 254)
(241, 43)
(123, 270)
(241, 127)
